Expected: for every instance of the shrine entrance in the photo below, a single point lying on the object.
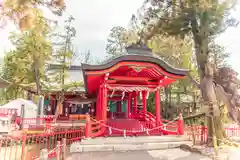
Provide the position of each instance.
(117, 109)
(122, 83)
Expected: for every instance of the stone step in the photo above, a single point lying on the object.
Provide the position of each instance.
(133, 140)
(78, 147)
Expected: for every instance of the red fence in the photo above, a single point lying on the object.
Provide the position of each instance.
(201, 132)
(41, 122)
(29, 147)
(7, 111)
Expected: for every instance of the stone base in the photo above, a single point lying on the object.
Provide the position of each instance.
(128, 144)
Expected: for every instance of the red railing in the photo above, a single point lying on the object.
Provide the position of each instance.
(94, 127)
(166, 127)
(7, 111)
(148, 116)
(34, 123)
(201, 132)
(29, 147)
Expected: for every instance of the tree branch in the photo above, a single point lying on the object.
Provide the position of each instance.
(194, 81)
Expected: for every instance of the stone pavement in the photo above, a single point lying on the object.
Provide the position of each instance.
(223, 152)
(113, 144)
(169, 154)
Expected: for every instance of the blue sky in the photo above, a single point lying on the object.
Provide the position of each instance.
(95, 18)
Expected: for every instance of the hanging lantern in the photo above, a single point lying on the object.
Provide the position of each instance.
(141, 95)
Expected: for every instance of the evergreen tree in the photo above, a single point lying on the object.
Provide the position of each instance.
(202, 20)
(25, 64)
(115, 42)
(63, 51)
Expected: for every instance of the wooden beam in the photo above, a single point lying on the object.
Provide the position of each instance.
(130, 85)
(117, 98)
(111, 81)
(152, 83)
(117, 82)
(126, 78)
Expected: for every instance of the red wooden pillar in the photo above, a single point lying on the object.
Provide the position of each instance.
(98, 105)
(157, 106)
(104, 102)
(88, 129)
(144, 102)
(135, 104)
(128, 110)
(180, 125)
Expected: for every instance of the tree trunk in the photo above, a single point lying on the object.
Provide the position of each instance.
(215, 127)
(206, 73)
(36, 75)
(59, 107)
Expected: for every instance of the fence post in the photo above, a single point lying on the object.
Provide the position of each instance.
(193, 132)
(202, 133)
(58, 150)
(64, 143)
(180, 125)
(24, 139)
(88, 127)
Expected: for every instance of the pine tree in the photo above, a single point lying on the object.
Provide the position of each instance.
(115, 42)
(63, 52)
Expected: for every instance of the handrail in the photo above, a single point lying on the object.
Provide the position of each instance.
(96, 127)
(148, 116)
(194, 116)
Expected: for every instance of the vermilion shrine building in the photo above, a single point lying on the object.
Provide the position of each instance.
(114, 90)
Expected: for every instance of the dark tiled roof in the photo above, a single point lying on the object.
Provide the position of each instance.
(58, 66)
(135, 53)
(136, 57)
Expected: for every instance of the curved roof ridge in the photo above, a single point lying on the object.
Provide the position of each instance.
(139, 58)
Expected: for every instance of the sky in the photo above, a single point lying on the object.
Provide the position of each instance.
(95, 18)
